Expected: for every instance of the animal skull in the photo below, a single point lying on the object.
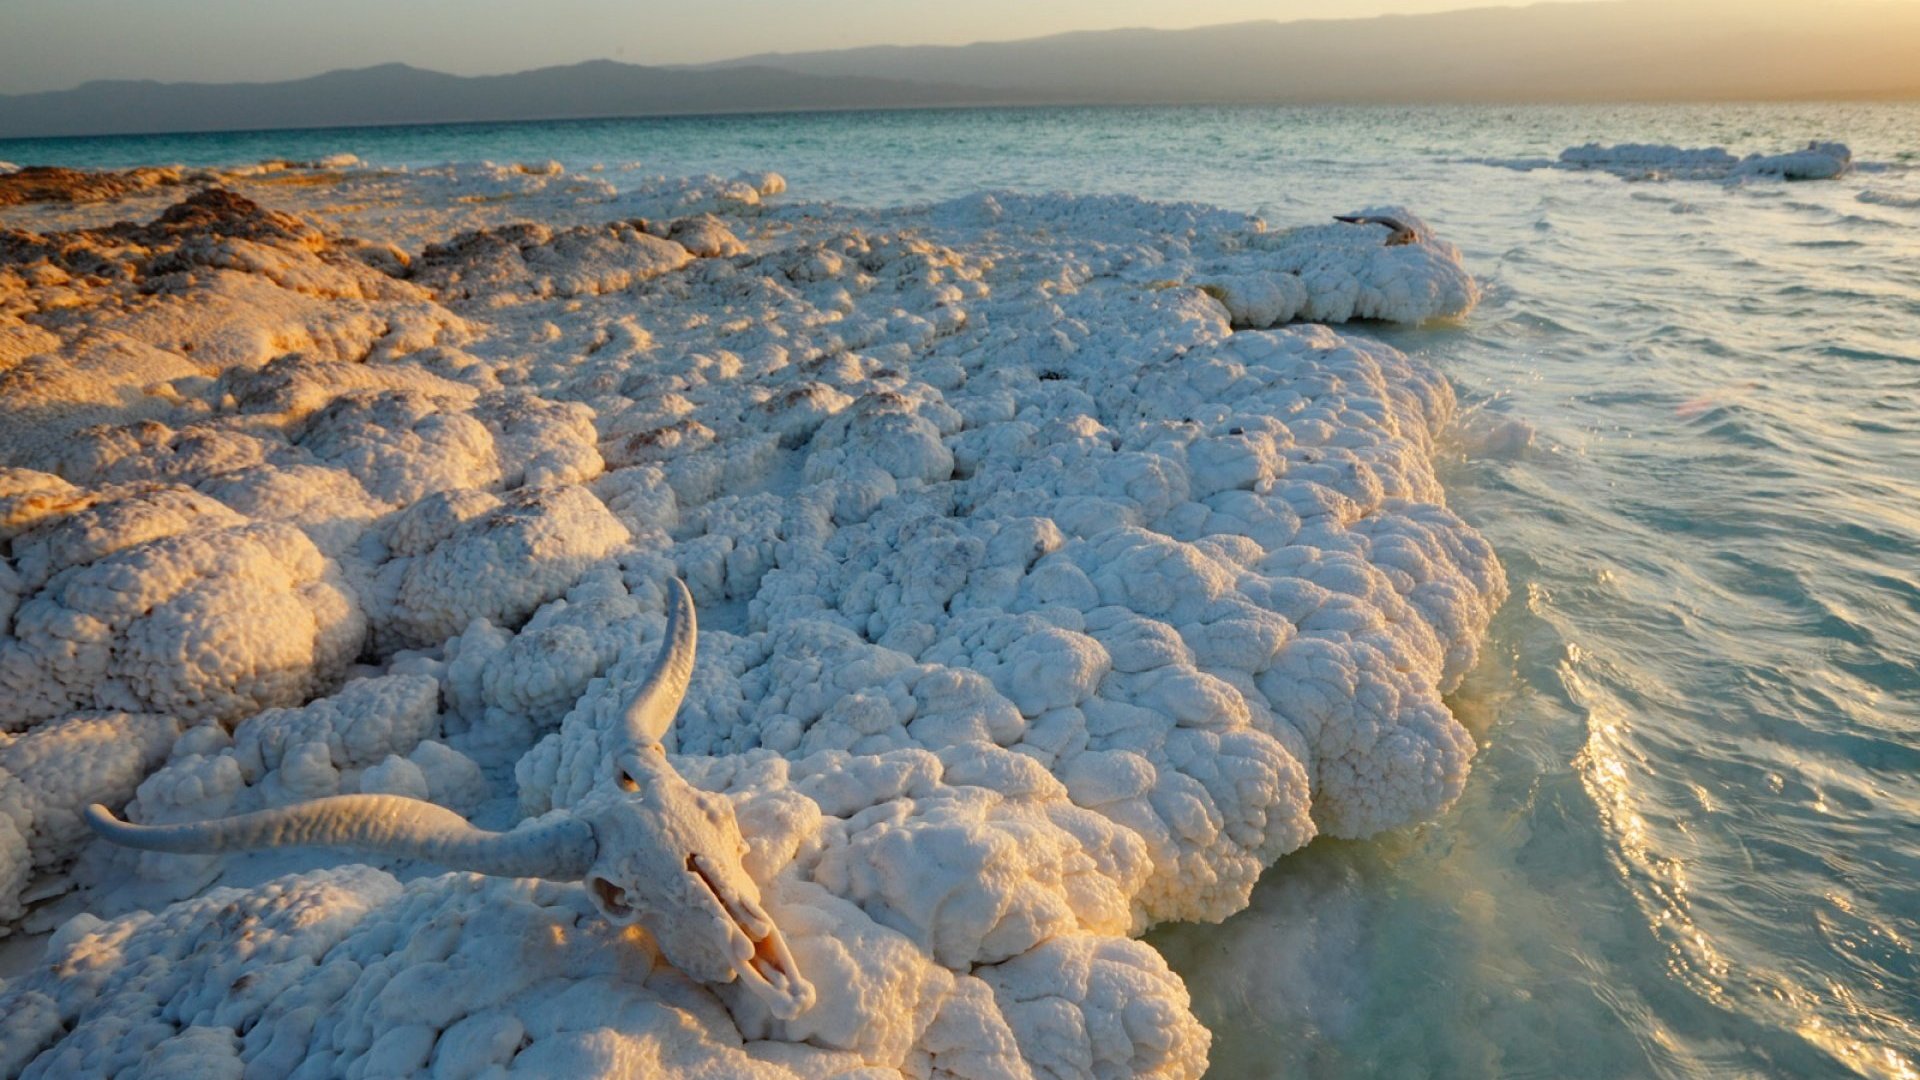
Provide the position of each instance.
(652, 849)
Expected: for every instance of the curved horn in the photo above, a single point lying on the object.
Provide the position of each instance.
(1402, 233)
(653, 708)
(560, 850)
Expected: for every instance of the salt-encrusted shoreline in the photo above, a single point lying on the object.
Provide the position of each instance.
(1042, 599)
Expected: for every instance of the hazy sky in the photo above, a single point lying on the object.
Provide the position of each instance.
(54, 44)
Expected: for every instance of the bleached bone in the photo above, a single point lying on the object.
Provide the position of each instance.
(375, 824)
(652, 850)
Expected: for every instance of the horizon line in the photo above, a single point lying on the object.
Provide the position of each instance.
(1902, 96)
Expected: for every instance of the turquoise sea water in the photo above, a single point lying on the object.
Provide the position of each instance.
(1692, 840)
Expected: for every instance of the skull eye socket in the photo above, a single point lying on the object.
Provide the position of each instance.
(613, 899)
(626, 782)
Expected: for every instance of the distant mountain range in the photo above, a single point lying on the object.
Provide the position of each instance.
(1625, 50)
(399, 94)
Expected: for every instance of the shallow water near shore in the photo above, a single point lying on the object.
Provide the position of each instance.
(1690, 841)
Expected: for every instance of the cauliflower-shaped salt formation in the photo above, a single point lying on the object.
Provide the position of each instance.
(976, 875)
(403, 445)
(158, 599)
(367, 723)
(153, 451)
(50, 775)
(1100, 1007)
(706, 237)
(533, 260)
(16, 864)
(665, 197)
(1039, 603)
(373, 737)
(345, 972)
(293, 387)
(458, 556)
(1383, 264)
(506, 689)
(97, 1007)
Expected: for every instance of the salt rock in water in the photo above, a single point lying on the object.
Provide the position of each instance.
(1818, 161)
(1341, 272)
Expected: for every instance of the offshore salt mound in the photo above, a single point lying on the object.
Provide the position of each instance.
(1654, 161)
(1641, 161)
(1040, 603)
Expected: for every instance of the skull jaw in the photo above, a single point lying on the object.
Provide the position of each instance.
(771, 976)
(755, 953)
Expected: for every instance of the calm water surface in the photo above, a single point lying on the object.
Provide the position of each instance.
(1692, 840)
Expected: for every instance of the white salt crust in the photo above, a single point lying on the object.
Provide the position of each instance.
(1046, 593)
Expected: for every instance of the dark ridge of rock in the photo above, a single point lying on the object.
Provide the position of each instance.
(133, 250)
(122, 323)
(220, 212)
(53, 183)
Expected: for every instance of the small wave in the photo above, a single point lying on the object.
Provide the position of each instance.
(1890, 198)
(1516, 164)
(1489, 435)
(1848, 352)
